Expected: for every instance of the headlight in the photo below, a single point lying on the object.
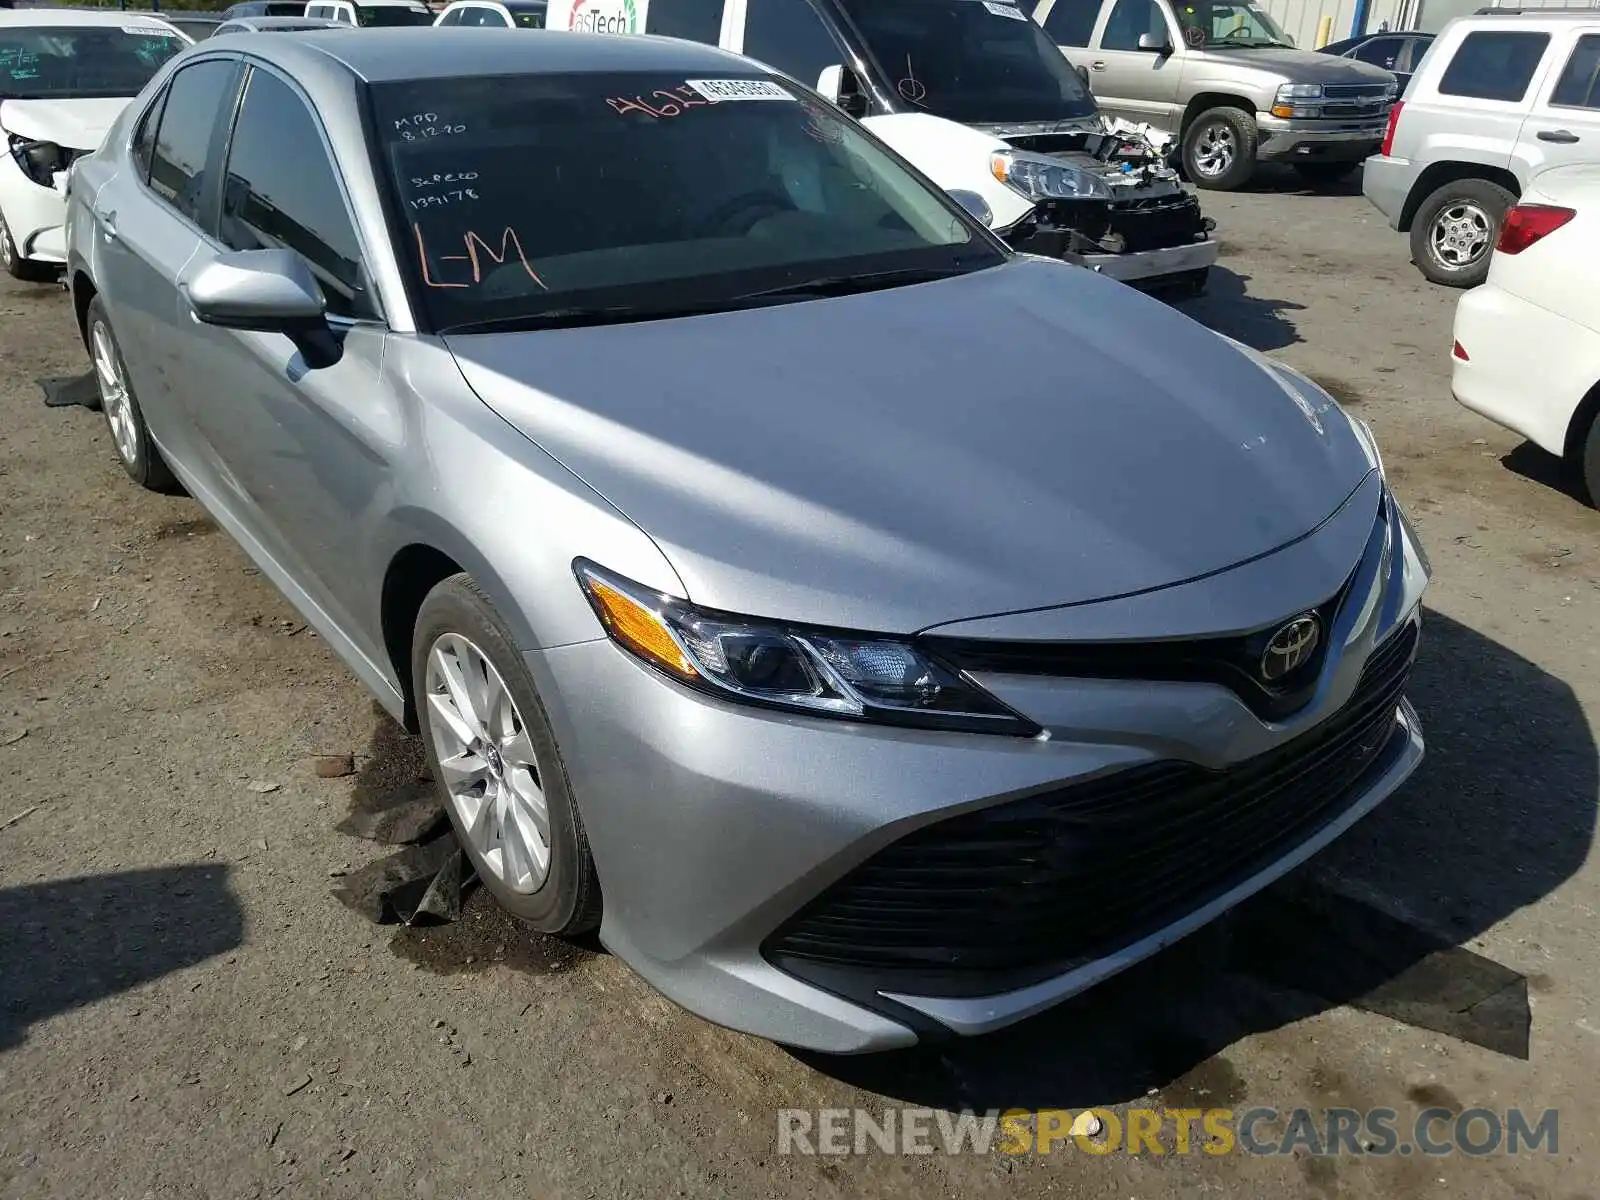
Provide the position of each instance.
(39, 160)
(821, 672)
(1290, 92)
(1039, 177)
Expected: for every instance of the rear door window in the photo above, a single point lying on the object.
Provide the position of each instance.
(1494, 64)
(1380, 52)
(1579, 85)
(1068, 22)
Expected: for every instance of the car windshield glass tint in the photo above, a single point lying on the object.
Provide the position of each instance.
(392, 14)
(1230, 23)
(978, 62)
(81, 61)
(521, 195)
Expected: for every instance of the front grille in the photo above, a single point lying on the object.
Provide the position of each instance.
(1155, 223)
(1232, 662)
(1022, 891)
(1354, 91)
(1374, 110)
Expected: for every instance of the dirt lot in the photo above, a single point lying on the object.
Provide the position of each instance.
(186, 1011)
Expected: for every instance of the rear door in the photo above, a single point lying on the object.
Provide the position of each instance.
(1141, 85)
(149, 226)
(1482, 96)
(1564, 125)
(1070, 25)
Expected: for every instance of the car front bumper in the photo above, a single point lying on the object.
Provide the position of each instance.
(1151, 266)
(1316, 141)
(713, 825)
(35, 215)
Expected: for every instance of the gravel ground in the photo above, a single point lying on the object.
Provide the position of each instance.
(186, 1011)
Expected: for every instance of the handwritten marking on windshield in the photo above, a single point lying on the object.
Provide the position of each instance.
(438, 179)
(667, 103)
(910, 88)
(472, 243)
(424, 132)
(441, 199)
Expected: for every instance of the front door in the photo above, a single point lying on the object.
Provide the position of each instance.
(1140, 84)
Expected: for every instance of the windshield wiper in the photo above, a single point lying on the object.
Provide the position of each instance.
(845, 285)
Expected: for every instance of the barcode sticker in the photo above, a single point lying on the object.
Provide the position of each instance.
(718, 90)
(1004, 10)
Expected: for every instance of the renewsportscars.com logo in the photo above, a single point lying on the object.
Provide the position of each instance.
(604, 16)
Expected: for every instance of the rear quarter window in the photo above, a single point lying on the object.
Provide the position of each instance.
(1494, 64)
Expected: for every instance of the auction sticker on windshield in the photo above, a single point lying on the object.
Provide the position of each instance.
(718, 90)
(1004, 10)
(149, 31)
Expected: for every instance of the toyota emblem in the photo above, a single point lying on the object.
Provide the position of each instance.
(1291, 647)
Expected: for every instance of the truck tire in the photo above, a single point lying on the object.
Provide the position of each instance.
(1219, 149)
(1454, 231)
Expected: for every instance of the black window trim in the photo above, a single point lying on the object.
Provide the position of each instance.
(363, 246)
(1594, 82)
(1533, 75)
(882, 100)
(211, 194)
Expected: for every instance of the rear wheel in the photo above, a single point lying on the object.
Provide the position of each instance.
(1589, 463)
(1454, 230)
(1219, 149)
(18, 267)
(129, 435)
(495, 759)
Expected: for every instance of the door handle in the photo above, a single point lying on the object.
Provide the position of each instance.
(1565, 136)
(108, 224)
(1098, 66)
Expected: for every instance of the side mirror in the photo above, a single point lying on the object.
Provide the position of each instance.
(975, 204)
(839, 84)
(1156, 42)
(266, 291)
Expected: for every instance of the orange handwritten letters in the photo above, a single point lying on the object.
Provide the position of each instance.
(477, 249)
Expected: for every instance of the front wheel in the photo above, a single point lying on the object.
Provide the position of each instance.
(1219, 149)
(495, 759)
(1454, 231)
(1589, 463)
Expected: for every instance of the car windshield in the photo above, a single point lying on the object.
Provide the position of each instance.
(392, 14)
(978, 62)
(551, 199)
(53, 62)
(1230, 23)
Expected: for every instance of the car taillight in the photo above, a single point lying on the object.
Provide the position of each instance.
(1527, 223)
(1388, 133)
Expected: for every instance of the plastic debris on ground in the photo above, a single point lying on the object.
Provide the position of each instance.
(71, 391)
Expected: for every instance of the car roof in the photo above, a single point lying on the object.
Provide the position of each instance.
(267, 24)
(397, 54)
(78, 16)
(1583, 13)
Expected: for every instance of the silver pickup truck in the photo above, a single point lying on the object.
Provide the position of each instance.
(1224, 77)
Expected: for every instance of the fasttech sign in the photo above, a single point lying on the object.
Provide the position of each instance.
(606, 16)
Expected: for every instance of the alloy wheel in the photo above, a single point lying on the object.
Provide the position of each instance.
(8, 252)
(489, 769)
(1460, 235)
(114, 398)
(1215, 150)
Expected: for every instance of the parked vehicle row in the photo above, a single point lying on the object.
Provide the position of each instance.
(785, 576)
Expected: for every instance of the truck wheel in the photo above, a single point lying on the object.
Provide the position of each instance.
(1454, 231)
(1219, 150)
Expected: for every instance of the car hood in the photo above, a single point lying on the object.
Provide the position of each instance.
(1298, 66)
(1025, 436)
(75, 124)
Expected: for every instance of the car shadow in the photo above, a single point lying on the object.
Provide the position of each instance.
(1501, 812)
(1540, 466)
(1228, 308)
(71, 942)
(1277, 179)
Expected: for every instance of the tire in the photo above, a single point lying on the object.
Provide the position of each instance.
(1589, 463)
(130, 436)
(1219, 149)
(1324, 174)
(1454, 230)
(18, 267)
(458, 625)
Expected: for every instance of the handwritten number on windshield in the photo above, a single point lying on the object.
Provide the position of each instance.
(666, 103)
(473, 244)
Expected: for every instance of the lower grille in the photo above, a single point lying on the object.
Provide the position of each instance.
(1009, 895)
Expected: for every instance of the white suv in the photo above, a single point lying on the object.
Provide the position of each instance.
(1498, 98)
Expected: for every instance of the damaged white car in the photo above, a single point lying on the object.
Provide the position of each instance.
(65, 75)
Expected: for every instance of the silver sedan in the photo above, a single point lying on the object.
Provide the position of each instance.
(877, 634)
